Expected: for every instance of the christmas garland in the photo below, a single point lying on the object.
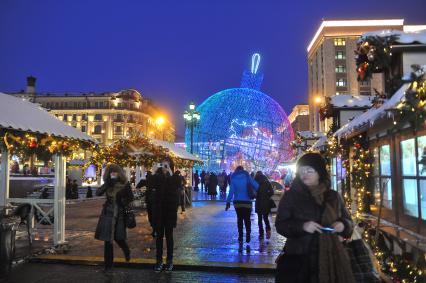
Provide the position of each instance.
(25, 144)
(373, 55)
(413, 109)
(118, 153)
(327, 110)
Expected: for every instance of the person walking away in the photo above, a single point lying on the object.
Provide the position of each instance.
(239, 193)
(181, 187)
(196, 180)
(203, 181)
(221, 178)
(206, 181)
(74, 189)
(89, 193)
(111, 225)
(165, 212)
(149, 198)
(213, 182)
(225, 183)
(314, 220)
(68, 189)
(263, 204)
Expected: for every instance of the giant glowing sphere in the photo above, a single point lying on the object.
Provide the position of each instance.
(242, 126)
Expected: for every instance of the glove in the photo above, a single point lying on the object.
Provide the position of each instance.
(228, 205)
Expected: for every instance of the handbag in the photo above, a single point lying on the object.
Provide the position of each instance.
(361, 262)
(129, 218)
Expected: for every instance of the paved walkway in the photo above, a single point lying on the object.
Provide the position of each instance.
(46, 273)
(206, 235)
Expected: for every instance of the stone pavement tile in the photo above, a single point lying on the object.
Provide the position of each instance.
(204, 233)
(53, 273)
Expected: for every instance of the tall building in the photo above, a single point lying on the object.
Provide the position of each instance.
(331, 63)
(106, 116)
(299, 118)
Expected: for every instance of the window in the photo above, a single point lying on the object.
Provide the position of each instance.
(364, 83)
(340, 55)
(65, 117)
(341, 82)
(83, 128)
(75, 104)
(339, 42)
(382, 175)
(74, 117)
(413, 167)
(96, 104)
(338, 174)
(84, 117)
(98, 117)
(118, 130)
(98, 130)
(340, 69)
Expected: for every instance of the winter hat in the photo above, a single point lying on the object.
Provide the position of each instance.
(315, 161)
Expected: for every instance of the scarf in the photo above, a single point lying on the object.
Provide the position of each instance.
(333, 260)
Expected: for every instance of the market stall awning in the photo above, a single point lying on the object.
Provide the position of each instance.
(22, 115)
(369, 117)
(177, 151)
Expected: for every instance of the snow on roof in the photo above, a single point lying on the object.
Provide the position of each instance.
(369, 117)
(310, 134)
(403, 37)
(177, 151)
(351, 101)
(22, 115)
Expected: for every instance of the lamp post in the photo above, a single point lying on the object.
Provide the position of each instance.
(191, 118)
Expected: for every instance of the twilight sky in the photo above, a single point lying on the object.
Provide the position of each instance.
(171, 51)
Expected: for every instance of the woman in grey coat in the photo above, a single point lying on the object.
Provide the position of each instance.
(111, 225)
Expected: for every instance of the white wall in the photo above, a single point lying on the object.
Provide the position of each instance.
(411, 58)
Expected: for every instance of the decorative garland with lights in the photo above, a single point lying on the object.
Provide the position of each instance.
(373, 55)
(401, 268)
(118, 153)
(327, 110)
(24, 144)
(413, 109)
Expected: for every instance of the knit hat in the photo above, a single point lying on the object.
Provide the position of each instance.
(315, 161)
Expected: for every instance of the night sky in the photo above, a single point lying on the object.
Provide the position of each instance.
(171, 51)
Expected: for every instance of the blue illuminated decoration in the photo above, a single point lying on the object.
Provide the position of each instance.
(242, 126)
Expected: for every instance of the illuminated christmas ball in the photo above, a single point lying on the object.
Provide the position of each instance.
(242, 126)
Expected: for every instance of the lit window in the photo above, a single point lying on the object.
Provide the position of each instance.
(340, 55)
(341, 82)
(98, 117)
(340, 69)
(339, 42)
(98, 130)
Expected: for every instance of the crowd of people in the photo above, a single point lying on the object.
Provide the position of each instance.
(311, 216)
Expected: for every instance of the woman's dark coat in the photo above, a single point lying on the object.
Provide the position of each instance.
(213, 182)
(111, 225)
(296, 207)
(263, 196)
(166, 200)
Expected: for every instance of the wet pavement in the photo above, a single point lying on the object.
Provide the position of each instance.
(49, 273)
(206, 235)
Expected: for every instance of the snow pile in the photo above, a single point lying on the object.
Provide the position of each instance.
(351, 101)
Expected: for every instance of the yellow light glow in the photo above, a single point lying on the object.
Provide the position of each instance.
(160, 120)
(318, 99)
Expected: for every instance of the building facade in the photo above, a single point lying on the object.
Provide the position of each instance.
(299, 118)
(331, 64)
(107, 116)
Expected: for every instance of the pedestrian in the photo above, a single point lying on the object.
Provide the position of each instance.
(74, 189)
(165, 211)
(196, 180)
(68, 189)
(263, 203)
(181, 187)
(206, 181)
(148, 182)
(314, 220)
(241, 183)
(213, 182)
(89, 193)
(221, 178)
(111, 225)
(203, 180)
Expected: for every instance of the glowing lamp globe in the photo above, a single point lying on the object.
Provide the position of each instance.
(242, 126)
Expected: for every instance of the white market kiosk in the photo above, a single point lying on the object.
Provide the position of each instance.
(21, 115)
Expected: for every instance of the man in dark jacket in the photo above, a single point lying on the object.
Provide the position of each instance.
(196, 180)
(203, 180)
(263, 203)
(165, 207)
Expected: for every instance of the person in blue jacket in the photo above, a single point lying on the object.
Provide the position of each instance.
(241, 184)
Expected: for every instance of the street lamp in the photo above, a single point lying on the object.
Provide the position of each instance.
(160, 121)
(191, 118)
